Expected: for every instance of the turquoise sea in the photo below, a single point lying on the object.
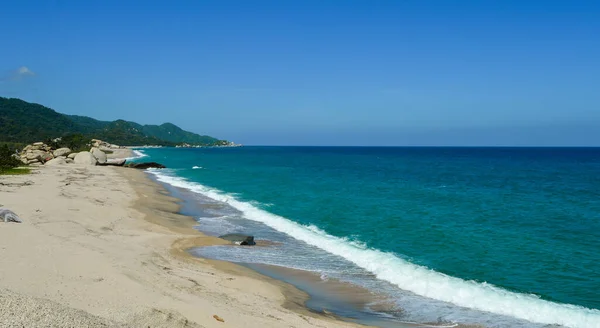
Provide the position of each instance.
(505, 237)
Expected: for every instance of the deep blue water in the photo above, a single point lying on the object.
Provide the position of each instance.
(461, 234)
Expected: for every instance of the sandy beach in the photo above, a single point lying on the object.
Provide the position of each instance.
(105, 247)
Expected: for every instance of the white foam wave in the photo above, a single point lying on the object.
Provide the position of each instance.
(196, 167)
(137, 154)
(408, 276)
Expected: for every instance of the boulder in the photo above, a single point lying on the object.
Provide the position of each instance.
(32, 156)
(85, 158)
(62, 152)
(7, 215)
(56, 161)
(69, 160)
(114, 162)
(146, 165)
(239, 239)
(99, 155)
(72, 155)
(38, 144)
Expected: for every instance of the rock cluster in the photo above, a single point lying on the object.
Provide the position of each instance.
(103, 145)
(40, 153)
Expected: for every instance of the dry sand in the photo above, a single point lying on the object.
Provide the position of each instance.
(103, 247)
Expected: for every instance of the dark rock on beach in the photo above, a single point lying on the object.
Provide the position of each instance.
(146, 165)
(239, 239)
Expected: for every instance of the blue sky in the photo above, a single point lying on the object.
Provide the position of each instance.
(316, 72)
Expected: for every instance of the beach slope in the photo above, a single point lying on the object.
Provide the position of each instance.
(104, 247)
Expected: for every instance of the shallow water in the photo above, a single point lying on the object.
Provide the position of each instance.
(504, 237)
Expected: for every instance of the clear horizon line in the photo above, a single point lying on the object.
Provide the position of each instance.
(423, 146)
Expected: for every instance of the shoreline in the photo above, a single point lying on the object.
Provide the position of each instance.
(305, 291)
(296, 299)
(297, 285)
(162, 201)
(105, 247)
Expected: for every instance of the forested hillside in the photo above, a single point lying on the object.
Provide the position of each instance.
(24, 122)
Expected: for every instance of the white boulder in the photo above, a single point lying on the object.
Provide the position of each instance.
(99, 155)
(62, 152)
(56, 161)
(85, 158)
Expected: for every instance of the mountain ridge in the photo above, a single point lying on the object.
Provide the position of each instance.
(25, 122)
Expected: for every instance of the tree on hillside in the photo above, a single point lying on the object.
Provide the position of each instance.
(7, 158)
(76, 142)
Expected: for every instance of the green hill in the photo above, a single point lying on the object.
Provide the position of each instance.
(24, 122)
(121, 132)
(173, 133)
(88, 123)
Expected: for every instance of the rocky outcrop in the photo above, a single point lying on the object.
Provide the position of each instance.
(97, 143)
(146, 165)
(85, 158)
(38, 152)
(62, 152)
(239, 239)
(99, 155)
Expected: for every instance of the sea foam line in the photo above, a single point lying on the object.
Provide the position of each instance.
(137, 154)
(408, 276)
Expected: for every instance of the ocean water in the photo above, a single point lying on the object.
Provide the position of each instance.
(505, 237)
